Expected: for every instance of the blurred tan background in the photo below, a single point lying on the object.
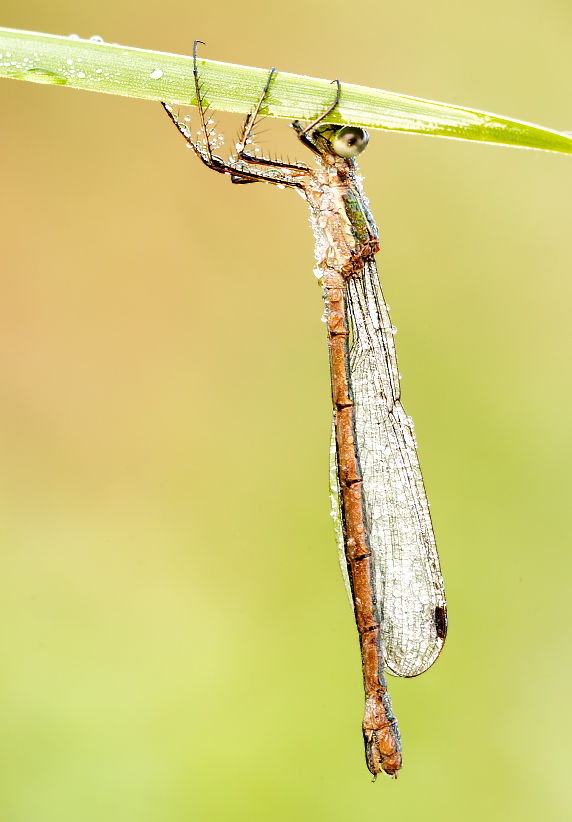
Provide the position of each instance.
(176, 640)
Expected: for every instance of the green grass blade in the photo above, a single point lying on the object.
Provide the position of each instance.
(152, 75)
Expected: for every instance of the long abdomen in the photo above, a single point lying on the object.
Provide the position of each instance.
(381, 735)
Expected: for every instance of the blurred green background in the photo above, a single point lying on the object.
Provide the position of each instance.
(176, 641)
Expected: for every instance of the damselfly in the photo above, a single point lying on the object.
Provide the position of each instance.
(387, 547)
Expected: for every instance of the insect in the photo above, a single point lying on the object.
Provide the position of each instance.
(387, 547)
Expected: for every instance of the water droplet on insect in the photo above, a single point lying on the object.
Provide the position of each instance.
(156, 74)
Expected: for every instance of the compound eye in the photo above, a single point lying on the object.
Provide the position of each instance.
(350, 141)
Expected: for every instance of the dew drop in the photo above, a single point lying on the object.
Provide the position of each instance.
(95, 38)
(156, 74)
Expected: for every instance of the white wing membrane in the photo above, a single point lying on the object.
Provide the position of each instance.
(407, 577)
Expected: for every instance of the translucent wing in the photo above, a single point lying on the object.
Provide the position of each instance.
(407, 577)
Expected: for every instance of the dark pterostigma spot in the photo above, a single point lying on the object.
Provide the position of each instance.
(441, 621)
